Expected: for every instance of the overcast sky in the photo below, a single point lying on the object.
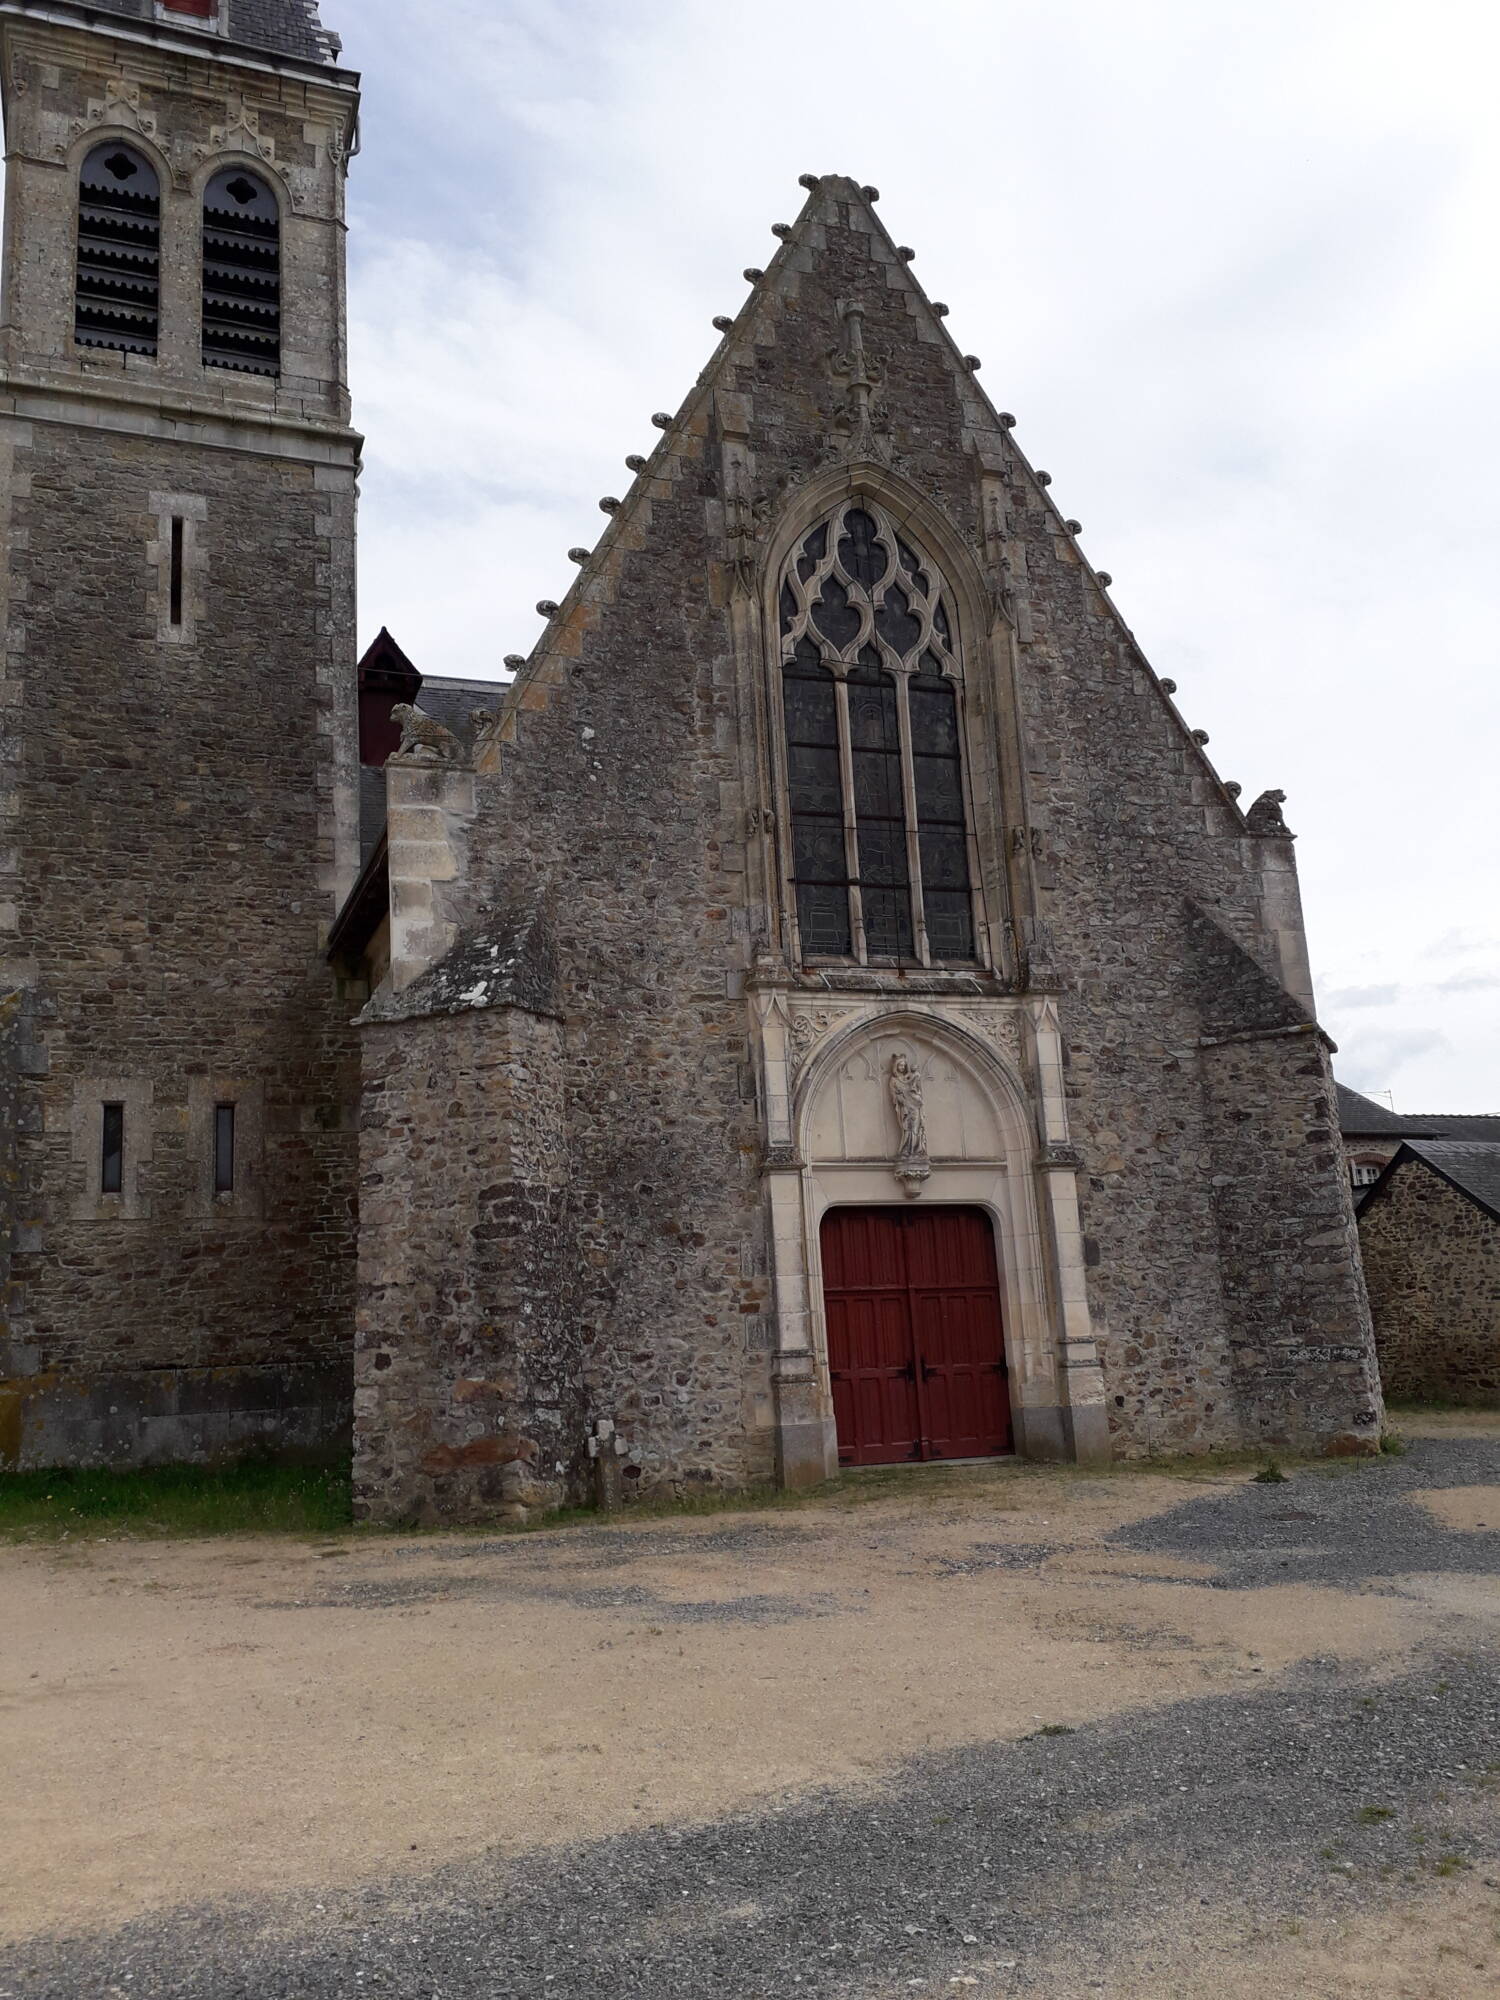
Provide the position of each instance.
(1233, 266)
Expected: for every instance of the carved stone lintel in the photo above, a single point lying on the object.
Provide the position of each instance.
(1060, 1157)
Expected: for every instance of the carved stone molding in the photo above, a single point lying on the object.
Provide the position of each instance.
(1058, 1156)
(239, 134)
(808, 1026)
(1003, 1028)
(860, 428)
(119, 110)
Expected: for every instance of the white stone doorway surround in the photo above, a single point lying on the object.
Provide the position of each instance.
(995, 1113)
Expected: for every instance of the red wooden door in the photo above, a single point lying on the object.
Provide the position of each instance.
(916, 1347)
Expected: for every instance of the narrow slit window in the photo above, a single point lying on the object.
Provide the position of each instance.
(241, 274)
(112, 1150)
(223, 1149)
(117, 295)
(179, 532)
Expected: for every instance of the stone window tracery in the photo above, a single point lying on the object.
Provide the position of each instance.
(879, 842)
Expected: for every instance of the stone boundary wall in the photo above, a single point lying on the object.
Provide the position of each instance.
(1432, 1263)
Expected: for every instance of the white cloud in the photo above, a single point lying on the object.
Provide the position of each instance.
(1233, 268)
(1343, 998)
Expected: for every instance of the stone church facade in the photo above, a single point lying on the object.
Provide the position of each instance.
(826, 1009)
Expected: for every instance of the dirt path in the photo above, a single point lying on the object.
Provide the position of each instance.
(180, 1723)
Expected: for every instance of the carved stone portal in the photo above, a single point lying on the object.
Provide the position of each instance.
(912, 1166)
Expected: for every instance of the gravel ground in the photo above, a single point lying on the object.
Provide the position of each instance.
(1350, 1527)
(1160, 1838)
(1020, 1866)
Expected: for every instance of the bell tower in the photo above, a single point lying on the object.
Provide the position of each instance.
(178, 761)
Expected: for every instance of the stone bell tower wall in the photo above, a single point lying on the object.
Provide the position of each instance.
(178, 775)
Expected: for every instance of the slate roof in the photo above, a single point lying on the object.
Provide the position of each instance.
(452, 702)
(506, 959)
(1363, 1117)
(1469, 1165)
(287, 27)
(1456, 1125)
(371, 809)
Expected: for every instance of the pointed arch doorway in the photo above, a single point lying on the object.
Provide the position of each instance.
(916, 1338)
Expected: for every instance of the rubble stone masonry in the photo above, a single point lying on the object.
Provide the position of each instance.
(629, 785)
(1432, 1262)
(177, 794)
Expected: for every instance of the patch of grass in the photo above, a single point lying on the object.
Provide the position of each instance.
(1373, 1815)
(175, 1500)
(1450, 1864)
(1270, 1474)
(1051, 1729)
(1393, 1445)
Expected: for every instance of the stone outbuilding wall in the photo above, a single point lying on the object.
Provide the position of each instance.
(1432, 1264)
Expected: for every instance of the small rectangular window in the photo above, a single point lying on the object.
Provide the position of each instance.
(223, 1149)
(179, 530)
(112, 1151)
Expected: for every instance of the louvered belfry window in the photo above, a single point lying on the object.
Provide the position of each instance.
(870, 679)
(117, 299)
(241, 274)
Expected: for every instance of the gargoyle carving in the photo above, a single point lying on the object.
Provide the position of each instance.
(1265, 815)
(420, 732)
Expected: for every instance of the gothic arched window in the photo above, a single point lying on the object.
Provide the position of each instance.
(869, 676)
(117, 298)
(241, 274)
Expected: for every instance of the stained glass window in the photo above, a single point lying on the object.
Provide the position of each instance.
(880, 848)
(815, 782)
(942, 838)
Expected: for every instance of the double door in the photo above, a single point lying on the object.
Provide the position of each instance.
(916, 1344)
